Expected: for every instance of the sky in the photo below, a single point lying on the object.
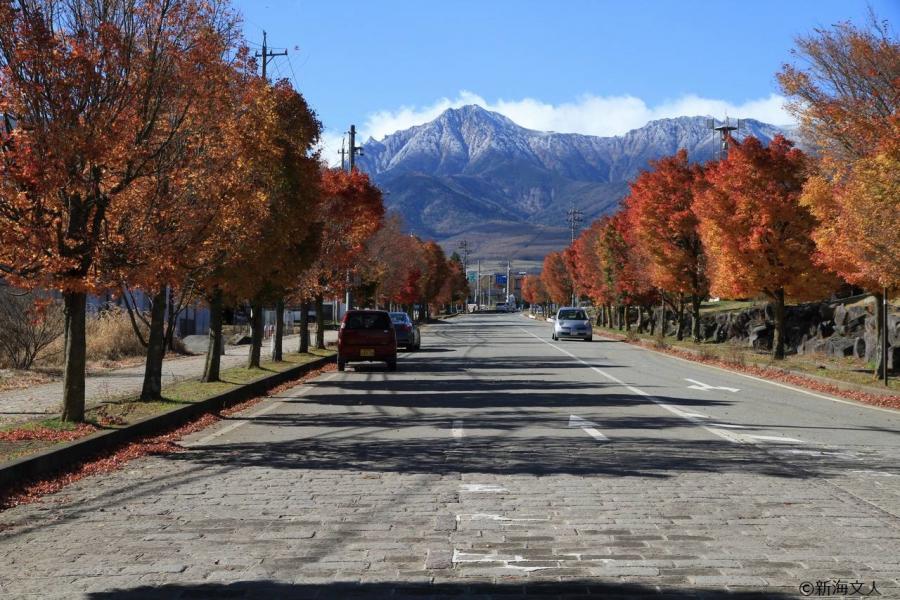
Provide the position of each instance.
(599, 67)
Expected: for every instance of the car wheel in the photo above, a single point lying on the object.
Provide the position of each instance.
(392, 365)
(409, 347)
(588, 338)
(342, 365)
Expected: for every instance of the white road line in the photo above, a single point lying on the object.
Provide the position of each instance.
(457, 430)
(588, 427)
(258, 413)
(892, 411)
(774, 438)
(698, 385)
(733, 438)
(727, 426)
(482, 487)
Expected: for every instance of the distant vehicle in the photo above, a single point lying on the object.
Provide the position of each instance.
(407, 333)
(502, 308)
(572, 322)
(367, 336)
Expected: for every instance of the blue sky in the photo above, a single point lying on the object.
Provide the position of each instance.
(598, 67)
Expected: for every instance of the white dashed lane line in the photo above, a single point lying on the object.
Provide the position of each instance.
(718, 429)
(588, 427)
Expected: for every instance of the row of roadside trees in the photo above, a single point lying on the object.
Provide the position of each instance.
(140, 150)
(767, 221)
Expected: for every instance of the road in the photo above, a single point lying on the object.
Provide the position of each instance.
(496, 463)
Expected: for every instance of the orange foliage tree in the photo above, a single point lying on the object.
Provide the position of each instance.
(557, 279)
(665, 230)
(92, 93)
(847, 99)
(352, 212)
(533, 290)
(757, 234)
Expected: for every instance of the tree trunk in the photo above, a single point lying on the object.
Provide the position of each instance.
(695, 317)
(75, 351)
(679, 329)
(211, 371)
(627, 311)
(662, 316)
(156, 348)
(277, 349)
(778, 338)
(256, 335)
(640, 319)
(320, 323)
(171, 317)
(304, 327)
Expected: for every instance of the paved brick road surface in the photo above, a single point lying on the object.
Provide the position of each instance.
(25, 404)
(492, 465)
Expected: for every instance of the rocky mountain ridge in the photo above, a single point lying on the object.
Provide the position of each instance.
(475, 174)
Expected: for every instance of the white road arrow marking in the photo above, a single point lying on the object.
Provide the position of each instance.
(588, 427)
(698, 385)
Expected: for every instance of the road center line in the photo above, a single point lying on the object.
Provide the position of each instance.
(687, 416)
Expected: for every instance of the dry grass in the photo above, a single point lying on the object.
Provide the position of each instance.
(111, 341)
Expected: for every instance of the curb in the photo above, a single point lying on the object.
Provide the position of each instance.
(33, 467)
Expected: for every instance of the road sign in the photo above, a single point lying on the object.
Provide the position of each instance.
(500, 279)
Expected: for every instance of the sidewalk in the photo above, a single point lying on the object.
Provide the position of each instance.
(29, 403)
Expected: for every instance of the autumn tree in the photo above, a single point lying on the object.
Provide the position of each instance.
(844, 91)
(846, 97)
(435, 274)
(97, 91)
(757, 234)
(557, 279)
(665, 230)
(533, 290)
(352, 212)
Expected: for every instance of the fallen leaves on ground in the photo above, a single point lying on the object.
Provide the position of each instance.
(777, 374)
(163, 443)
(47, 434)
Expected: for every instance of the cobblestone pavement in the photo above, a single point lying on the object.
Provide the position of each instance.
(492, 465)
(28, 403)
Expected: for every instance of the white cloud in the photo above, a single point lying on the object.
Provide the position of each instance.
(587, 114)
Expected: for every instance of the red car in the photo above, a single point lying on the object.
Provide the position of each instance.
(367, 336)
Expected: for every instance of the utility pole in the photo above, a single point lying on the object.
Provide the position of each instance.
(507, 280)
(267, 56)
(354, 150)
(573, 218)
(464, 246)
(478, 288)
(343, 153)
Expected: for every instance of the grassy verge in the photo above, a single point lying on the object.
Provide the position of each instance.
(22, 439)
(845, 370)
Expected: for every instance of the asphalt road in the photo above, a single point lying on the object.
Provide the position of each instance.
(495, 463)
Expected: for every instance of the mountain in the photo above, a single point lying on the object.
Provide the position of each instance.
(476, 175)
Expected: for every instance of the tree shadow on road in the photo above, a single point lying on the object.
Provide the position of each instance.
(585, 588)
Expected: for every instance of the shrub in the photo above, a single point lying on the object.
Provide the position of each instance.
(29, 323)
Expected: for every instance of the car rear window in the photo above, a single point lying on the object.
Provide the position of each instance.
(572, 315)
(367, 321)
(399, 318)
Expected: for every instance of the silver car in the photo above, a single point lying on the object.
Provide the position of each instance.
(572, 322)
